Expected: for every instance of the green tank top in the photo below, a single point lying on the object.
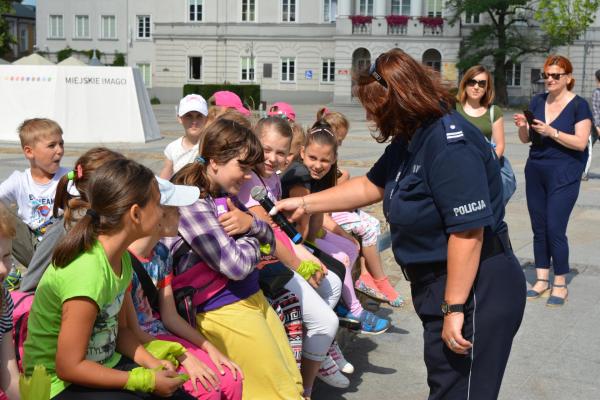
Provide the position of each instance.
(483, 122)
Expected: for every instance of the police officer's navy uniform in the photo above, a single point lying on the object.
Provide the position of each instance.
(447, 179)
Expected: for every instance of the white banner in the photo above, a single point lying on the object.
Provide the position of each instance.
(91, 104)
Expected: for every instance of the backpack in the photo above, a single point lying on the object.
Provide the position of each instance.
(22, 305)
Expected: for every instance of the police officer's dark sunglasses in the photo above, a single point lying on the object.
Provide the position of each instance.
(472, 82)
(373, 72)
(556, 76)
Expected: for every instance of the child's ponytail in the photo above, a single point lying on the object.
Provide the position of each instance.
(111, 192)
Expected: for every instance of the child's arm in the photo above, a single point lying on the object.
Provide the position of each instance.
(303, 223)
(236, 257)
(167, 171)
(8, 189)
(9, 373)
(178, 326)
(132, 320)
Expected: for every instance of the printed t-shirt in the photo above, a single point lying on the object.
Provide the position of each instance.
(91, 276)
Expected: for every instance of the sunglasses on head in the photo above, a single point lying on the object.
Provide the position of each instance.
(472, 82)
(373, 72)
(555, 76)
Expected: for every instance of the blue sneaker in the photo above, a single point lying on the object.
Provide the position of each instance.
(347, 320)
(371, 324)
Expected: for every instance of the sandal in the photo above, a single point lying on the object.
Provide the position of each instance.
(556, 301)
(534, 294)
(361, 287)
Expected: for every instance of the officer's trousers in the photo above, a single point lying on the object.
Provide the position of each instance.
(552, 188)
(493, 314)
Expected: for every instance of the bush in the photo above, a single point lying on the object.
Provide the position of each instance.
(119, 60)
(250, 94)
(64, 54)
(90, 53)
(155, 100)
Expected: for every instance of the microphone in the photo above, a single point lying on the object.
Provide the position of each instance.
(259, 194)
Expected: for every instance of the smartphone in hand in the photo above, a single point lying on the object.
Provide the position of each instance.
(529, 116)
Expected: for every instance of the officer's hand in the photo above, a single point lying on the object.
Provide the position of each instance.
(452, 333)
(293, 204)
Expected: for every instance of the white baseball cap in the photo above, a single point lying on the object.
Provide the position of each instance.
(192, 102)
(177, 195)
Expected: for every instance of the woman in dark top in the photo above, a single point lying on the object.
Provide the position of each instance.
(559, 137)
(442, 195)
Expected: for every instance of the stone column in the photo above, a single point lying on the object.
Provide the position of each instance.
(344, 8)
(379, 8)
(416, 8)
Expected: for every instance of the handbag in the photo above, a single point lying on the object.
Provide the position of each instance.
(195, 286)
(509, 180)
(273, 277)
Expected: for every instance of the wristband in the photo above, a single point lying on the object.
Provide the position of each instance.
(307, 268)
(265, 249)
(141, 380)
(36, 386)
(165, 350)
(321, 233)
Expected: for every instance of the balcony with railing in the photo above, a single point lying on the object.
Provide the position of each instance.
(432, 26)
(361, 24)
(397, 24)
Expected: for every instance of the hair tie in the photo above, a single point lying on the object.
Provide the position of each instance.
(79, 171)
(312, 132)
(325, 111)
(94, 215)
(70, 175)
(200, 160)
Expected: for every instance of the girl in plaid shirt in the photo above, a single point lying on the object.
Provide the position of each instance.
(238, 319)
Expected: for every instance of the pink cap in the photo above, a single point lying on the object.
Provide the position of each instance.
(229, 99)
(282, 109)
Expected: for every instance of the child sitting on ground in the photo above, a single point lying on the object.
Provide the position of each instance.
(33, 190)
(218, 377)
(191, 114)
(9, 373)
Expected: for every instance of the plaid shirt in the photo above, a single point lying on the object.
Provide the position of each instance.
(234, 257)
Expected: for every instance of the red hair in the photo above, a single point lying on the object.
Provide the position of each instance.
(413, 94)
(561, 62)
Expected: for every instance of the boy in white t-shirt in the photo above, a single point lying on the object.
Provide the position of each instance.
(191, 114)
(33, 190)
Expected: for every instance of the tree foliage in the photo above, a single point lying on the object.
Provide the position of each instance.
(564, 21)
(6, 38)
(506, 38)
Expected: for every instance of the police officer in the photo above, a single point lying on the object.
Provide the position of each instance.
(442, 196)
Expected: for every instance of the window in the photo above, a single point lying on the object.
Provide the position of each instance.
(82, 26)
(288, 10)
(247, 69)
(248, 10)
(196, 7)
(146, 72)
(23, 38)
(365, 7)
(288, 69)
(328, 71)
(400, 7)
(434, 8)
(143, 27)
(56, 27)
(195, 73)
(329, 10)
(513, 74)
(108, 27)
(471, 18)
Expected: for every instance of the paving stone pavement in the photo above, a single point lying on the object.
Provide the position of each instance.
(556, 353)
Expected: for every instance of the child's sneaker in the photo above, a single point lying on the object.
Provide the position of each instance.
(346, 319)
(361, 286)
(331, 375)
(386, 288)
(336, 353)
(371, 324)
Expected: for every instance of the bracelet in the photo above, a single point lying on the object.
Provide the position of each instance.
(307, 268)
(165, 350)
(304, 206)
(141, 380)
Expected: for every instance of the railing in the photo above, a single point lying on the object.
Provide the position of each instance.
(361, 24)
(397, 30)
(432, 26)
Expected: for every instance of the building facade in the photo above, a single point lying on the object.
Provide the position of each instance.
(21, 25)
(298, 51)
